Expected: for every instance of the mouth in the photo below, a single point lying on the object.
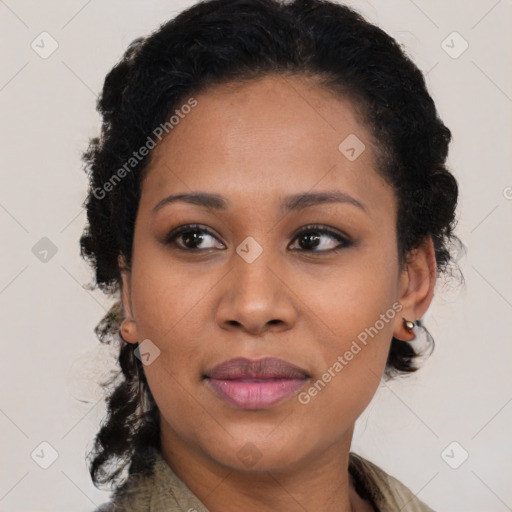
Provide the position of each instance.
(255, 384)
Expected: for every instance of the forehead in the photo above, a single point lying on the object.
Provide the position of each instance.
(265, 137)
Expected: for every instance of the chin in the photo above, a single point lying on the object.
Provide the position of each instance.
(259, 450)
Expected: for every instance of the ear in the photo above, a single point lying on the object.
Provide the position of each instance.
(128, 327)
(417, 283)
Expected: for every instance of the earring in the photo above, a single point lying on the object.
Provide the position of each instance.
(409, 324)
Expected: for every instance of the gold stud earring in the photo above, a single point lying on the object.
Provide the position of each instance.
(409, 324)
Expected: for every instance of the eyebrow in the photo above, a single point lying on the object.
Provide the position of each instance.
(291, 203)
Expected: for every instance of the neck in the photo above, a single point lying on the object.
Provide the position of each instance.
(320, 483)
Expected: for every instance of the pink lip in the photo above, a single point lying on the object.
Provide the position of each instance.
(255, 384)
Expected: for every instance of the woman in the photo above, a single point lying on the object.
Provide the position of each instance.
(269, 203)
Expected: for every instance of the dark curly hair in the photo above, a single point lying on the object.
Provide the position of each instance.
(221, 41)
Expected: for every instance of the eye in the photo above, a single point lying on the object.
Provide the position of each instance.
(314, 236)
(191, 237)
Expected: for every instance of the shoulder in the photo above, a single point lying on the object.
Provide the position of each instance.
(134, 495)
(156, 489)
(386, 492)
(105, 507)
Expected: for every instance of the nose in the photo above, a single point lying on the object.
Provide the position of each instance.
(256, 298)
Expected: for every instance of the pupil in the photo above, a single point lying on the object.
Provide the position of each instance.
(194, 237)
(311, 238)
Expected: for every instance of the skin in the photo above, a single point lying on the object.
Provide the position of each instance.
(254, 144)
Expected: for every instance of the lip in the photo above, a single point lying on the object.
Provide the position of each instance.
(255, 384)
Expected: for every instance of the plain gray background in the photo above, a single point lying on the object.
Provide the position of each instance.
(51, 359)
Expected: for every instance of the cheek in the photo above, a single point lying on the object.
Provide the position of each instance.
(176, 324)
(168, 299)
(352, 362)
(357, 322)
(170, 311)
(352, 300)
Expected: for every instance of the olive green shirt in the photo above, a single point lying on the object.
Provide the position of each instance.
(163, 491)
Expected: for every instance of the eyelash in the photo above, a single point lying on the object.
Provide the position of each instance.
(170, 239)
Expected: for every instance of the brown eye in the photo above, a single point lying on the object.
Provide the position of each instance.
(316, 238)
(192, 237)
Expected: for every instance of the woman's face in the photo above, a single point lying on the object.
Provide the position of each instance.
(255, 280)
